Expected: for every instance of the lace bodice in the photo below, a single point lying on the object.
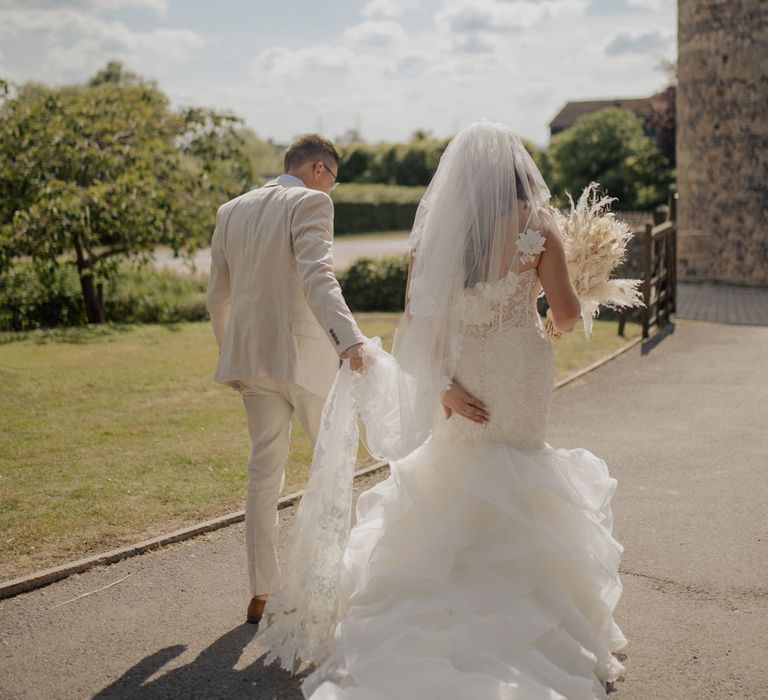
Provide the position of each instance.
(509, 302)
(505, 360)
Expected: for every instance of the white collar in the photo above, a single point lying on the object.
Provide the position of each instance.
(290, 181)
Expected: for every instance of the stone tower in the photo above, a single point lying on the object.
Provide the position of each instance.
(722, 141)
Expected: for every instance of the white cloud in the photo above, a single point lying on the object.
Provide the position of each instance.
(388, 8)
(282, 62)
(76, 41)
(475, 44)
(464, 16)
(374, 34)
(440, 77)
(407, 67)
(643, 43)
(648, 4)
(158, 6)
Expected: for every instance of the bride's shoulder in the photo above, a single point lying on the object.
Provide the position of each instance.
(549, 230)
(531, 243)
(538, 237)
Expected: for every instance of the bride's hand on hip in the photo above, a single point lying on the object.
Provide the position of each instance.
(457, 399)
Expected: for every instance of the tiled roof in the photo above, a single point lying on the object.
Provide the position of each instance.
(572, 111)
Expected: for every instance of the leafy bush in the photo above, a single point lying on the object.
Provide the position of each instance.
(31, 298)
(417, 162)
(375, 285)
(154, 296)
(609, 146)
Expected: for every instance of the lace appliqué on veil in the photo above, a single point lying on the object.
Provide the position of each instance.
(418, 224)
(301, 615)
(421, 302)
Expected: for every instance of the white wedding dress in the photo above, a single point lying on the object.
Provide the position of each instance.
(484, 565)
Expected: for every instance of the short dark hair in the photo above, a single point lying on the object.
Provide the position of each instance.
(309, 147)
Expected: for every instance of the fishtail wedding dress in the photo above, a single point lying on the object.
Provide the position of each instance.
(484, 565)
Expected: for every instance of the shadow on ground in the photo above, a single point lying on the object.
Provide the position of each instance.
(211, 675)
(664, 332)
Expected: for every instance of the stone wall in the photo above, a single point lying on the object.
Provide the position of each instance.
(722, 141)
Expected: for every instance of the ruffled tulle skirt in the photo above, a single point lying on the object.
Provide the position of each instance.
(477, 570)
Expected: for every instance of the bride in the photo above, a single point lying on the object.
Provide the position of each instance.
(484, 565)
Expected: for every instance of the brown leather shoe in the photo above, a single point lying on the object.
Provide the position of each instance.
(255, 610)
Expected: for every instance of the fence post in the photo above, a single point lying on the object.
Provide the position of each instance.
(673, 197)
(673, 202)
(647, 273)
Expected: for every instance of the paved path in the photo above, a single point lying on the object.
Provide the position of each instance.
(346, 249)
(681, 423)
(723, 303)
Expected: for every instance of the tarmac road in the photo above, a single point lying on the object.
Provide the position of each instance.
(681, 422)
(346, 249)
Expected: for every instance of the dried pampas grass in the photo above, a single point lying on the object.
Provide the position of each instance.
(595, 243)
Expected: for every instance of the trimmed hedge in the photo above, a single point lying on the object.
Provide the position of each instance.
(377, 194)
(375, 285)
(359, 208)
(362, 217)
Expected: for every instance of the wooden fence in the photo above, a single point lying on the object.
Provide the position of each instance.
(659, 280)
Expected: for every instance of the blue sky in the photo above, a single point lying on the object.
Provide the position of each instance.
(385, 67)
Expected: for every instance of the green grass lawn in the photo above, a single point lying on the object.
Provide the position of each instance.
(367, 236)
(111, 435)
(376, 193)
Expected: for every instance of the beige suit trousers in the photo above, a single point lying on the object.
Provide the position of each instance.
(270, 403)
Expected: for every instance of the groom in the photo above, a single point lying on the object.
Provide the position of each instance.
(282, 326)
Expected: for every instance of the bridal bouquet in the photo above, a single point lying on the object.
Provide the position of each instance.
(595, 243)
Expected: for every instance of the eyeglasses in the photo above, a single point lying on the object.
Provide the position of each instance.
(335, 183)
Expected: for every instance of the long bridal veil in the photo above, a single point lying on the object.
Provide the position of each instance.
(486, 192)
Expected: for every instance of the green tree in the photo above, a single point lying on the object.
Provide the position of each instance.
(609, 146)
(421, 135)
(383, 165)
(351, 135)
(663, 122)
(417, 162)
(265, 157)
(356, 160)
(94, 174)
(114, 73)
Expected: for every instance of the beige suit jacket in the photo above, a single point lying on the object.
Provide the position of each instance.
(274, 301)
